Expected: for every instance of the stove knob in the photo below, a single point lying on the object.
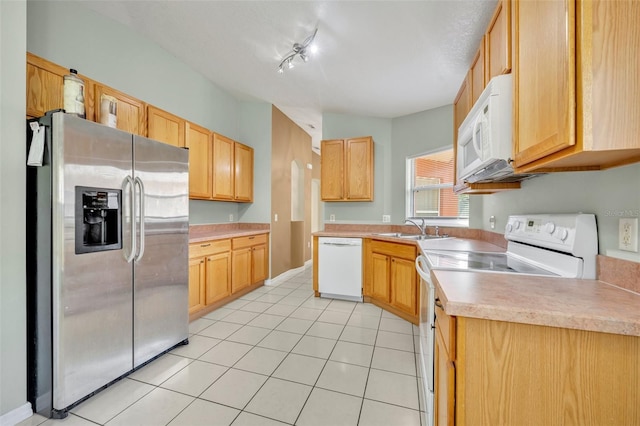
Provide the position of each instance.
(518, 224)
(562, 234)
(509, 227)
(550, 227)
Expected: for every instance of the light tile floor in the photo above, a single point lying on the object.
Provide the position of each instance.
(277, 355)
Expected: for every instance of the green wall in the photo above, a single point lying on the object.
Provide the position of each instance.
(13, 369)
(609, 193)
(71, 35)
(340, 126)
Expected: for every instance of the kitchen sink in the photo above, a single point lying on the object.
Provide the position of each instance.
(416, 237)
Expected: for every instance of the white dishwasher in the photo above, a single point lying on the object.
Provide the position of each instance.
(340, 268)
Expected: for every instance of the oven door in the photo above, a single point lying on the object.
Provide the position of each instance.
(427, 334)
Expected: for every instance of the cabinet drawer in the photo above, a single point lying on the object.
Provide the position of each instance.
(242, 242)
(404, 251)
(446, 326)
(207, 248)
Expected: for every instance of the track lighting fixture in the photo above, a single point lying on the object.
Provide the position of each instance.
(300, 49)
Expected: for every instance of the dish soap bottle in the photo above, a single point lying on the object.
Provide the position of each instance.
(73, 94)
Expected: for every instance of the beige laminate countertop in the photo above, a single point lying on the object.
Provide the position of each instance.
(198, 237)
(589, 305)
(452, 243)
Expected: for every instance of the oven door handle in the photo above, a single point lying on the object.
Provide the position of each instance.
(422, 269)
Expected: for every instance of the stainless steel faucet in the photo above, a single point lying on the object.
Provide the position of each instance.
(422, 227)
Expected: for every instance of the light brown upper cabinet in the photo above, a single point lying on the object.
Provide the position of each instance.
(243, 173)
(45, 82)
(165, 127)
(576, 84)
(130, 112)
(232, 170)
(347, 169)
(199, 141)
(477, 74)
(497, 42)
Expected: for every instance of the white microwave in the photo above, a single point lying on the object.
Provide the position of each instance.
(484, 143)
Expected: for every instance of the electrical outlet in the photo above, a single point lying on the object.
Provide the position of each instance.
(492, 222)
(386, 218)
(275, 217)
(308, 244)
(332, 218)
(628, 234)
(231, 218)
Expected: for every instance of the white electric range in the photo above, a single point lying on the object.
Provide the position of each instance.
(554, 245)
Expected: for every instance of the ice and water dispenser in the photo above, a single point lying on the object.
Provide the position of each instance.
(98, 219)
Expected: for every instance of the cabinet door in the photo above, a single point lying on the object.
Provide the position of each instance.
(198, 140)
(130, 112)
(359, 169)
(260, 262)
(240, 269)
(332, 170)
(165, 127)
(223, 167)
(477, 74)
(404, 285)
(196, 284)
(544, 78)
(461, 107)
(243, 173)
(380, 266)
(444, 385)
(218, 277)
(498, 41)
(44, 86)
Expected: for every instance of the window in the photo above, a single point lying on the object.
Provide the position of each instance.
(430, 190)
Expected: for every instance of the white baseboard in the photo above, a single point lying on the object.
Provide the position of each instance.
(16, 415)
(288, 274)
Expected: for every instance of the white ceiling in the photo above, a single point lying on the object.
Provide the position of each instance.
(376, 58)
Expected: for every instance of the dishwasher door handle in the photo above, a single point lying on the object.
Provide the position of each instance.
(340, 244)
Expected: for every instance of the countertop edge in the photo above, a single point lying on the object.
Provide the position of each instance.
(540, 317)
(223, 235)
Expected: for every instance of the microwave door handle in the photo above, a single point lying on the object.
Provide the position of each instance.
(473, 136)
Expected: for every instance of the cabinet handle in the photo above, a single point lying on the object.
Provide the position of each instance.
(205, 245)
(251, 238)
(439, 304)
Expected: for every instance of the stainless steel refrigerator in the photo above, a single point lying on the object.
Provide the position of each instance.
(107, 260)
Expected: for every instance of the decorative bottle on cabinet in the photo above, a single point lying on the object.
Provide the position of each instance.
(73, 94)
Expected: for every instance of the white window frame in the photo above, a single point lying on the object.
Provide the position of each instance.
(461, 222)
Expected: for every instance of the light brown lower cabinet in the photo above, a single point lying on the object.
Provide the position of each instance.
(209, 273)
(222, 270)
(249, 261)
(505, 373)
(390, 277)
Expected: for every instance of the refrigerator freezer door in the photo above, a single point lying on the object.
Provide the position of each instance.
(92, 291)
(161, 173)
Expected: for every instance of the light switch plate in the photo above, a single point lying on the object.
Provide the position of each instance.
(231, 217)
(332, 218)
(386, 218)
(628, 234)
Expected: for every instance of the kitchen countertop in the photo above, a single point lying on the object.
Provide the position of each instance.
(589, 305)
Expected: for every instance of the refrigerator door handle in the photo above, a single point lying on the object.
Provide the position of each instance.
(128, 182)
(141, 195)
